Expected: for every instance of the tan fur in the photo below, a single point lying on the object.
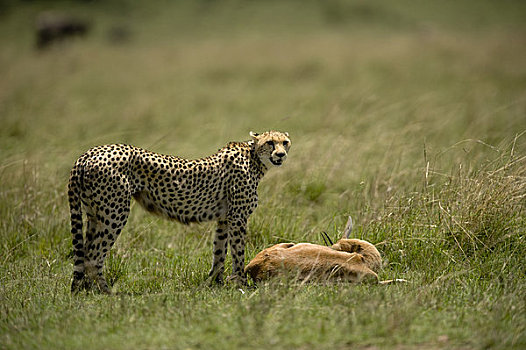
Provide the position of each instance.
(349, 260)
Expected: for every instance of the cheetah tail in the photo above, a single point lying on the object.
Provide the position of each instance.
(75, 208)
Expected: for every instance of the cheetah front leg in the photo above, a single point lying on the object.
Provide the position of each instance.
(237, 231)
(220, 248)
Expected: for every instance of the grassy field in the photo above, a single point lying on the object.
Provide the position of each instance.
(409, 116)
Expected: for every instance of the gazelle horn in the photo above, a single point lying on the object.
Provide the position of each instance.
(348, 228)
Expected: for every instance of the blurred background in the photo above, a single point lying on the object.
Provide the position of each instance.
(372, 92)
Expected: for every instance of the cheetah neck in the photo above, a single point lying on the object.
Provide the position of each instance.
(257, 167)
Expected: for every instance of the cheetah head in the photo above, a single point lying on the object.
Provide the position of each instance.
(271, 147)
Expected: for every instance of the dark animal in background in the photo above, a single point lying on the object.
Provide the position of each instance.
(53, 27)
(119, 34)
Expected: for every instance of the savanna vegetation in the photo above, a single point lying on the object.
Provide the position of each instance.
(408, 116)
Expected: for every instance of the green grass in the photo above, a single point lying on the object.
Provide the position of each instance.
(409, 116)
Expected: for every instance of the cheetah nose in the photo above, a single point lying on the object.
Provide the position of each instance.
(281, 154)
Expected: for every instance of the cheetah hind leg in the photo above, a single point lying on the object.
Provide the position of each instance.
(80, 280)
(86, 283)
(106, 233)
(78, 283)
(95, 262)
(96, 278)
(97, 251)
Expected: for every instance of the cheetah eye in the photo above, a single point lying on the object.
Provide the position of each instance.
(270, 143)
(285, 143)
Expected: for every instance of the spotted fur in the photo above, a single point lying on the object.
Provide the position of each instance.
(221, 187)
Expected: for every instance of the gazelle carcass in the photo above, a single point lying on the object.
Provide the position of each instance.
(348, 260)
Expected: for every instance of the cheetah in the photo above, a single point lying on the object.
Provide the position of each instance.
(220, 187)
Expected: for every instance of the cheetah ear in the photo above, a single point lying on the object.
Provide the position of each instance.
(286, 134)
(254, 135)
